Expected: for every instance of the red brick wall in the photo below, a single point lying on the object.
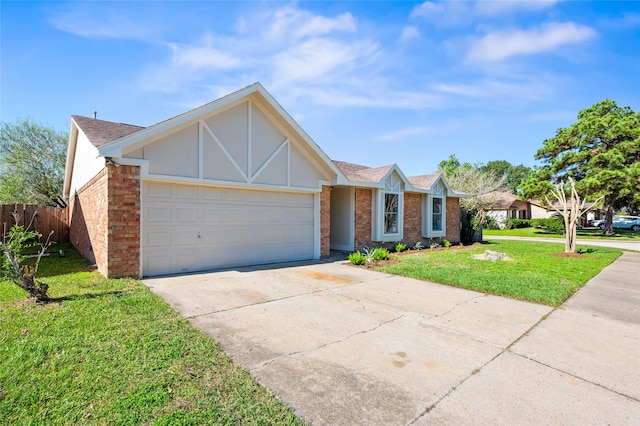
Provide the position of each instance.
(453, 220)
(124, 221)
(325, 221)
(88, 221)
(412, 229)
(104, 221)
(363, 218)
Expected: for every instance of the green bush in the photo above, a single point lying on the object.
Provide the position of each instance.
(554, 224)
(445, 243)
(380, 253)
(357, 258)
(490, 222)
(512, 223)
(399, 248)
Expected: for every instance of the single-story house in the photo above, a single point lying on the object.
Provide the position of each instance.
(504, 205)
(235, 182)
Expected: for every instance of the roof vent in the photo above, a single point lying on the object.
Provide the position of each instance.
(95, 114)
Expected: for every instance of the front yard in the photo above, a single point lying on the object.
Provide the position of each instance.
(108, 351)
(533, 272)
(585, 233)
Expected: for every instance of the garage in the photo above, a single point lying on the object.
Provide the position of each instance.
(188, 228)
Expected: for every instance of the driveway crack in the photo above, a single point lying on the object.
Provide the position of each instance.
(278, 358)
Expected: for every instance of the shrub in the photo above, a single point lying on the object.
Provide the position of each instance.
(399, 248)
(445, 243)
(357, 258)
(512, 223)
(13, 266)
(490, 222)
(418, 246)
(554, 224)
(380, 253)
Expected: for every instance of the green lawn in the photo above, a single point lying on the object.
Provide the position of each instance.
(109, 351)
(594, 234)
(532, 274)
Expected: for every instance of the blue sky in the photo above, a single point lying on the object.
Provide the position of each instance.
(371, 82)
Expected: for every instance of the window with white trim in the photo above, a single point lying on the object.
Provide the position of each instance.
(388, 210)
(391, 213)
(434, 213)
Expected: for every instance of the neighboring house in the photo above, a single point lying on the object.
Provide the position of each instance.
(504, 205)
(540, 210)
(232, 183)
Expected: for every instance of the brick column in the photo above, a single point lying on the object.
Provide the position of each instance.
(363, 218)
(124, 221)
(453, 220)
(412, 229)
(325, 221)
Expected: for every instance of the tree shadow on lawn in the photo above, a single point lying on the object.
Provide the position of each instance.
(85, 296)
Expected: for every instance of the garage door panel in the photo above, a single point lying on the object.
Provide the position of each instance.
(199, 228)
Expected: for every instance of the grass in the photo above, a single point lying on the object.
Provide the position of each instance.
(532, 275)
(109, 351)
(590, 234)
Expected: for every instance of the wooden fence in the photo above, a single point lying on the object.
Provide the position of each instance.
(43, 219)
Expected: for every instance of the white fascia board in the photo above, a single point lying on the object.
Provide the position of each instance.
(71, 155)
(303, 134)
(115, 147)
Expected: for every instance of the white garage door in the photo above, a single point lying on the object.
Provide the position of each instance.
(194, 228)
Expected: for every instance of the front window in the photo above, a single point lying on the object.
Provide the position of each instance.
(436, 215)
(391, 213)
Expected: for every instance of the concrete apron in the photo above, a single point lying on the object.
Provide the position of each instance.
(344, 345)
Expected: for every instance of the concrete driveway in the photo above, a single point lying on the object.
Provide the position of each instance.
(343, 345)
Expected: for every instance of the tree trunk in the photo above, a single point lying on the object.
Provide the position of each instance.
(608, 216)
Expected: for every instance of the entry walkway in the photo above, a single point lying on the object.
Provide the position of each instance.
(344, 345)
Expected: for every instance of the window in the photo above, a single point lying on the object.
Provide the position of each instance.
(434, 212)
(436, 215)
(391, 213)
(388, 210)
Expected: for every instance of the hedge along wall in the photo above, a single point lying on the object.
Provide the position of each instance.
(43, 219)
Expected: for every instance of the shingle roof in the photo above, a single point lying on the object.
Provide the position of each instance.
(100, 132)
(499, 200)
(423, 181)
(359, 173)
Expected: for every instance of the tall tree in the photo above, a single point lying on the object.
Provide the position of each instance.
(513, 174)
(601, 152)
(32, 161)
(480, 187)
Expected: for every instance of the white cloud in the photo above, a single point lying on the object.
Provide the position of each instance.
(83, 21)
(297, 24)
(500, 45)
(320, 59)
(449, 13)
(492, 7)
(409, 33)
(529, 89)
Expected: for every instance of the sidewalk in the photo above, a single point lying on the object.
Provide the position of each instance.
(580, 365)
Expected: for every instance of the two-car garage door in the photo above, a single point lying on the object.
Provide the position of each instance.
(193, 228)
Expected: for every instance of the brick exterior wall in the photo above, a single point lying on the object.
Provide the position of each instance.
(124, 221)
(363, 212)
(104, 221)
(88, 220)
(412, 229)
(325, 221)
(453, 220)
